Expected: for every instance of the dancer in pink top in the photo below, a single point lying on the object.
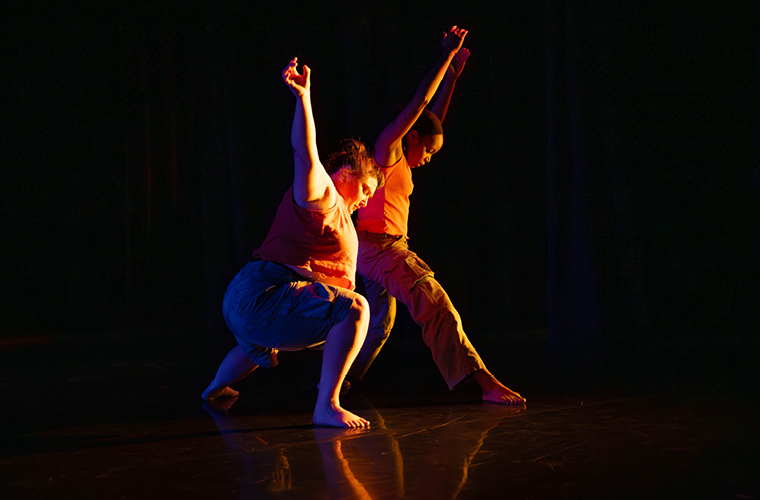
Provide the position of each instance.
(297, 293)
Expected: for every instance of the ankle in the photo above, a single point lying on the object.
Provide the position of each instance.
(328, 401)
(485, 379)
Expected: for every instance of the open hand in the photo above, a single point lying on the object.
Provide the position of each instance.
(299, 83)
(457, 64)
(452, 41)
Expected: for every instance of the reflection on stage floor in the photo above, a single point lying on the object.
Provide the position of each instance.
(424, 443)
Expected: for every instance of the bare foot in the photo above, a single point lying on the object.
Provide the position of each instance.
(335, 416)
(494, 391)
(503, 396)
(219, 407)
(215, 392)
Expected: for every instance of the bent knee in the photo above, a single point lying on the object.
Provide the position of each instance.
(359, 302)
(359, 308)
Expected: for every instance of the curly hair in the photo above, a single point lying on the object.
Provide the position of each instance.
(353, 154)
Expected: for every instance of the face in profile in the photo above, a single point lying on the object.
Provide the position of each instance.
(420, 149)
(355, 191)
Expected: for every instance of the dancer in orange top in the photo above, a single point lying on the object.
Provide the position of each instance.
(390, 270)
(297, 293)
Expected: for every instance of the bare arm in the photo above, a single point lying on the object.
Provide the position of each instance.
(442, 100)
(388, 148)
(312, 187)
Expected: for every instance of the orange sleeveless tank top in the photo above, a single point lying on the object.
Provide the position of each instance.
(388, 210)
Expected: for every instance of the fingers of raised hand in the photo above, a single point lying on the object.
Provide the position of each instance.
(455, 40)
(290, 71)
(461, 57)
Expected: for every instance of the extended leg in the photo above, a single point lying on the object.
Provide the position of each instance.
(406, 277)
(443, 333)
(235, 367)
(442, 330)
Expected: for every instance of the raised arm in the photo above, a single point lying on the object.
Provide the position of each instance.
(388, 147)
(312, 187)
(441, 102)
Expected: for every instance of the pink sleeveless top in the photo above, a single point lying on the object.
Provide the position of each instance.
(322, 243)
(388, 210)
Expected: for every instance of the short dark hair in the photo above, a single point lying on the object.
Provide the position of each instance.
(353, 153)
(427, 124)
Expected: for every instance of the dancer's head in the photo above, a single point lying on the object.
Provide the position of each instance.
(355, 175)
(423, 140)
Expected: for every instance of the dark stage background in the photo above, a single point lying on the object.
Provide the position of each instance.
(599, 177)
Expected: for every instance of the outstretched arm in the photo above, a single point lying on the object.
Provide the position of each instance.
(388, 148)
(442, 100)
(312, 187)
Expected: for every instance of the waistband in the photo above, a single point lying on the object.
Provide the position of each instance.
(291, 274)
(378, 237)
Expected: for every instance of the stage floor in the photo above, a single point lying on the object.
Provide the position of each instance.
(132, 425)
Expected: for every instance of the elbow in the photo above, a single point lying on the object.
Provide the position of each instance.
(419, 103)
(424, 100)
(424, 95)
